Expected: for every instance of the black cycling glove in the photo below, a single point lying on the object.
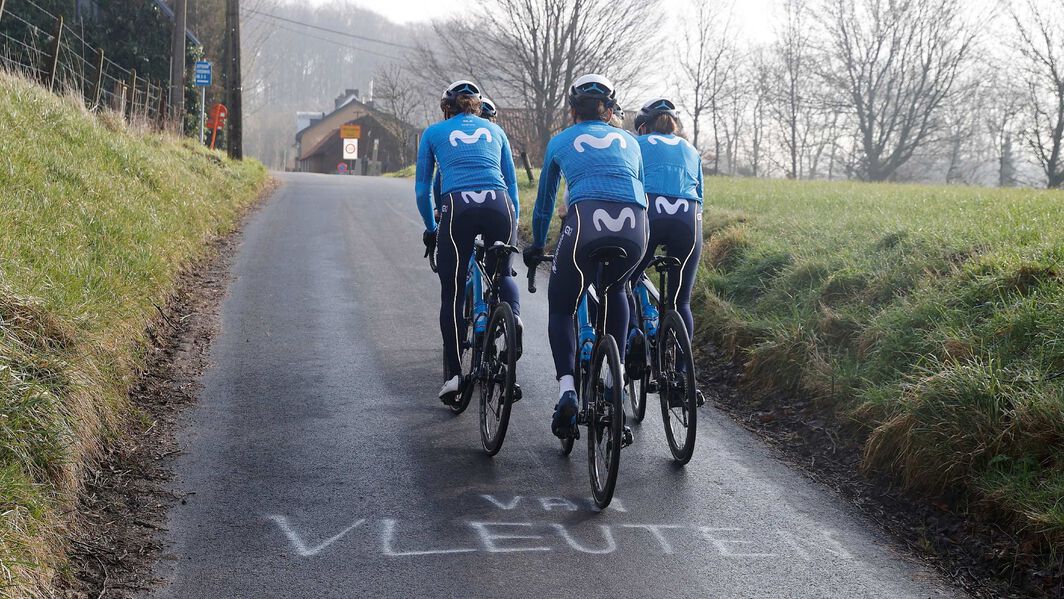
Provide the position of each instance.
(532, 255)
(429, 239)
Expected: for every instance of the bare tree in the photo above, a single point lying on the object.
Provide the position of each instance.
(1041, 48)
(707, 66)
(730, 116)
(896, 62)
(398, 96)
(761, 91)
(794, 56)
(535, 48)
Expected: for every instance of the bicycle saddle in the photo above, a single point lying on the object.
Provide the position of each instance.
(499, 246)
(664, 262)
(607, 253)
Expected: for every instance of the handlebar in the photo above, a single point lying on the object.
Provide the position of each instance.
(532, 271)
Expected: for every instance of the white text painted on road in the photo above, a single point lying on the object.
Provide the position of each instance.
(505, 537)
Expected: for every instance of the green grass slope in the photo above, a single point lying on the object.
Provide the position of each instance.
(95, 222)
(929, 318)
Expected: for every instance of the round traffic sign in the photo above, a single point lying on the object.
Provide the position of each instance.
(341, 168)
(350, 148)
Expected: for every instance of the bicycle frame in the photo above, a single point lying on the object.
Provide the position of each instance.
(484, 289)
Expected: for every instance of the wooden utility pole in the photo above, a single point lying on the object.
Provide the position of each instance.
(233, 85)
(131, 98)
(177, 60)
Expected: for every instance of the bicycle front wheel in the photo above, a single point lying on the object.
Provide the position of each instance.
(498, 365)
(676, 387)
(605, 420)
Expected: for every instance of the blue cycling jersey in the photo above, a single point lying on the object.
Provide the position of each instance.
(473, 154)
(671, 167)
(599, 162)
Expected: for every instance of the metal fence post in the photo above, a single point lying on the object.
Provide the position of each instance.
(98, 89)
(2, 8)
(53, 70)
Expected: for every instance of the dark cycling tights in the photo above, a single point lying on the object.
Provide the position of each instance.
(591, 224)
(676, 224)
(463, 216)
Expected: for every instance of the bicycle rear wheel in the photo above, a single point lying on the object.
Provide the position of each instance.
(676, 386)
(605, 420)
(498, 365)
(470, 357)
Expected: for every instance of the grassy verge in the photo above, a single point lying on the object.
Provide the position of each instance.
(97, 222)
(930, 319)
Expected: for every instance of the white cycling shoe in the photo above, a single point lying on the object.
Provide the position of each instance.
(450, 389)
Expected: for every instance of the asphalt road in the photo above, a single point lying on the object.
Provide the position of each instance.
(319, 463)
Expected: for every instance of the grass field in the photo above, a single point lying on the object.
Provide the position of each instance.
(930, 319)
(97, 220)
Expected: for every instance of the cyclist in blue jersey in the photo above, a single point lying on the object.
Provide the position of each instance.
(672, 176)
(478, 197)
(607, 207)
(487, 111)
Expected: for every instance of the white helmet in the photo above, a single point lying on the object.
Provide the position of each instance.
(460, 88)
(593, 86)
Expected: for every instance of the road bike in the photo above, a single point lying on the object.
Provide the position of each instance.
(488, 345)
(599, 382)
(659, 358)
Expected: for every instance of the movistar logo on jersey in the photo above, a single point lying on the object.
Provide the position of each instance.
(470, 138)
(666, 206)
(599, 143)
(601, 218)
(672, 141)
(477, 196)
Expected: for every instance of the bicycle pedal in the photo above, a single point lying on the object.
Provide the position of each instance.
(626, 437)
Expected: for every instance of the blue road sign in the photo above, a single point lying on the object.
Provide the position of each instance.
(203, 73)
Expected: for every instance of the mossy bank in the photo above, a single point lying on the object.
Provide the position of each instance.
(96, 221)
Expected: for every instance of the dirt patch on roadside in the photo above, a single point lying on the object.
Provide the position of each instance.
(123, 509)
(980, 557)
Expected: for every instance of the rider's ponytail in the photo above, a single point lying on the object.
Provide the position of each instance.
(665, 124)
(590, 109)
(467, 104)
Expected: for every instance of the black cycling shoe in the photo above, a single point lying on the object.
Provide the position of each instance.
(626, 437)
(677, 401)
(700, 398)
(517, 393)
(563, 425)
